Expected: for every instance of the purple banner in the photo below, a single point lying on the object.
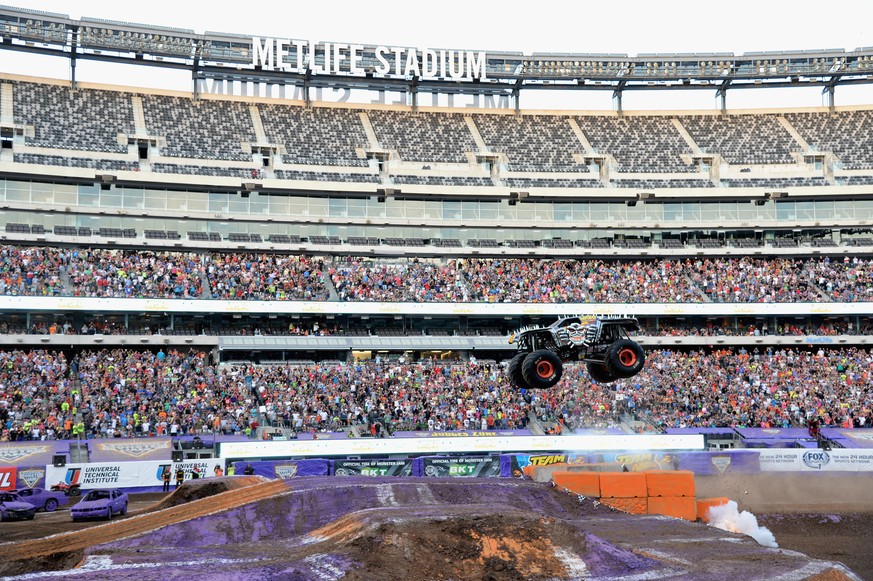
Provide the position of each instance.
(773, 433)
(742, 461)
(725, 433)
(850, 437)
(284, 468)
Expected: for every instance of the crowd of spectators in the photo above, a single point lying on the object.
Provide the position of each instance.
(266, 277)
(125, 392)
(407, 281)
(30, 270)
(126, 273)
(133, 274)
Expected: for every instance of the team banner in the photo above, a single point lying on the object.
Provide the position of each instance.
(519, 461)
(855, 460)
(464, 467)
(8, 477)
(372, 467)
(123, 474)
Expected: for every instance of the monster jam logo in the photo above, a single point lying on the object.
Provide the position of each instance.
(817, 459)
(30, 477)
(287, 471)
(11, 455)
(721, 463)
(134, 449)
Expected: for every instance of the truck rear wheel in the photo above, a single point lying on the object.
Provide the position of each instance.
(600, 373)
(514, 371)
(542, 369)
(625, 358)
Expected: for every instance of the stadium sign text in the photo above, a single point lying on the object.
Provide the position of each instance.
(341, 59)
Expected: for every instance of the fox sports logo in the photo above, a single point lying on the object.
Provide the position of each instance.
(816, 459)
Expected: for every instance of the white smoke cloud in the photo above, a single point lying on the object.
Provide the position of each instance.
(727, 517)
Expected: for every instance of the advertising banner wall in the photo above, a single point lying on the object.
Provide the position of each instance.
(470, 467)
(123, 474)
(856, 460)
(743, 461)
(386, 467)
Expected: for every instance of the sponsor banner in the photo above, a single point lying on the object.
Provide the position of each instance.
(462, 434)
(130, 449)
(817, 460)
(384, 447)
(372, 467)
(517, 462)
(284, 469)
(469, 467)
(123, 474)
(741, 461)
(124, 305)
(8, 477)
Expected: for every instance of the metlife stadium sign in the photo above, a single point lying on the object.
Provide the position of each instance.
(276, 54)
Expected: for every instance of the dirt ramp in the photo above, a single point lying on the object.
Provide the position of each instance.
(204, 488)
(41, 554)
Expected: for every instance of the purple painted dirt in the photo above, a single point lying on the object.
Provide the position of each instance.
(360, 528)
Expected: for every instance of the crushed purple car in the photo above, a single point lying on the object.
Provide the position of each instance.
(12, 507)
(42, 499)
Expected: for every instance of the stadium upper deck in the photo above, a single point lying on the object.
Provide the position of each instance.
(214, 167)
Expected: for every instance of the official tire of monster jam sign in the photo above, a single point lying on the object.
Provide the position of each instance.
(603, 343)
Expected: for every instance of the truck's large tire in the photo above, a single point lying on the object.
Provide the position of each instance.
(600, 373)
(514, 370)
(542, 369)
(625, 358)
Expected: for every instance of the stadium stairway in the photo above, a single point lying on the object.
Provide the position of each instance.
(206, 293)
(328, 284)
(65, 279)
(697, 289)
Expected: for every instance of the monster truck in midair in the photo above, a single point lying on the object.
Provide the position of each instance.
(602, 342)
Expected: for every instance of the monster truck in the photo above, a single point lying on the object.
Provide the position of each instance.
(602, 342)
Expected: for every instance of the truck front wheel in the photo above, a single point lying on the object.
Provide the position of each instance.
(542, 369)
(625, 358)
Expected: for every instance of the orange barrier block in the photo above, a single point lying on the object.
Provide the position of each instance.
(622, 484)
(704, 504)
(584, 483)
(670, 483)
(528, 471)
(676, 506)
(633, 505)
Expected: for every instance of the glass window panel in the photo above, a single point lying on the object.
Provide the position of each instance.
(785, 211)
(728, 211)
(196, 202)
(805, 210)
(279, 205)
(599, 212)
(318, 207)
(258, 204)
(470, 210)
(673, 212)
(357, 207)
(563, 212)
(159, 200)
(432, 210)
(451, 210)
(110, 198)
(218, 203)
(582, 212)
(338, 207)
(132, 198)
(846, 209)
(617, 212)
(691, 211)
(488, 211)
(17, 191)
(238, 205)
(654, 211)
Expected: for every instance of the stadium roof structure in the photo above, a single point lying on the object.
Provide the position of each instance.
(231, 56)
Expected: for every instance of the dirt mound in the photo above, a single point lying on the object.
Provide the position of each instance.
(204, 488)
(58, 551)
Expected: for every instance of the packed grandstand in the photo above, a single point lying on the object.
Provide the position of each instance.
(175, 264)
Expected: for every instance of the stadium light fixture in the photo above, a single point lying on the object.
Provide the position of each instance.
(775, 195)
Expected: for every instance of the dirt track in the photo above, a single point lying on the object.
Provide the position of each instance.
(429, 529)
